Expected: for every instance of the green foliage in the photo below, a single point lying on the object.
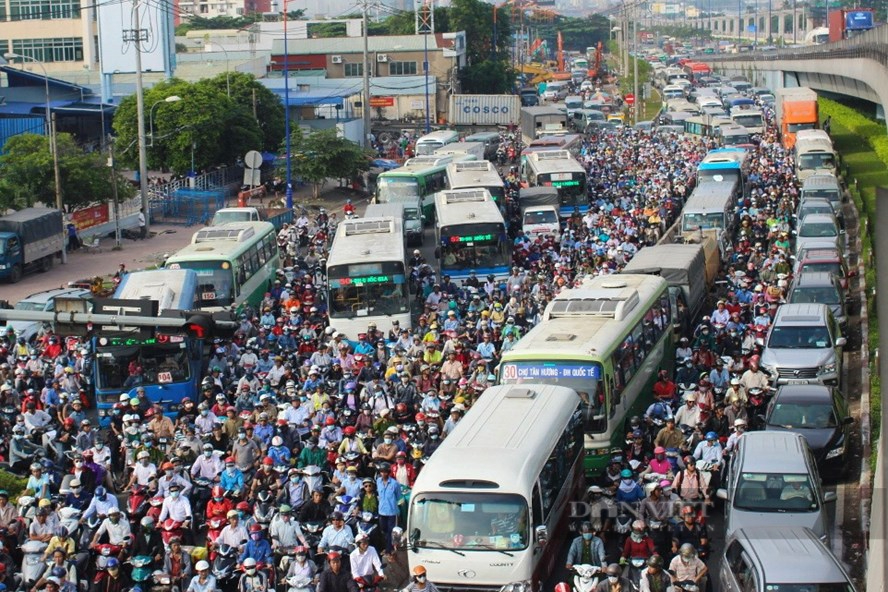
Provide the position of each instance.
(27, 176)
(323, 155)
(217, 129)
(476, 19)
(197, 23)
(13, 484)
(269, 108)
(487, 77)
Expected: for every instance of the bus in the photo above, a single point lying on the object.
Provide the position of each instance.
(557, 168)
(704, 126)
(606, 340)
(170, 361)
(235, 264)
(734, 135)
(725, 164)
(416, 183)
(814, 154)
(471, 235)
(427, 144)
(573, 143)
(481, 174)
(494, 498)
(366, 277)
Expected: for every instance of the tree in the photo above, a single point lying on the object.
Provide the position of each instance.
(27, 176)
(323, 155)
(268, 107)
(205, 123)
(487, 77)
(476, 19)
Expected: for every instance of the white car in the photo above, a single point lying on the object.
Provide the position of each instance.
(41, 302)
(587, 85)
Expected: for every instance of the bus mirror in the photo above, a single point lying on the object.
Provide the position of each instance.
(542, 534)
(414, 539)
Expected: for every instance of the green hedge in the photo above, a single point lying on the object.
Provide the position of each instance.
(12, 483)
(871, 131)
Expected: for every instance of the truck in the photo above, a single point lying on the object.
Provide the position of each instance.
(846, 23)
(277, 216)
(540, 208)
(488, 110)
(796, 110)
(542, 121)
(30, 239)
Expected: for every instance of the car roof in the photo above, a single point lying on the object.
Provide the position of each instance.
(815, 278)
(815, 255)
(811, 562)
(801, 313)
(48, 295)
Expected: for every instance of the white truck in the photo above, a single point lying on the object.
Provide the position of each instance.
(539, 212)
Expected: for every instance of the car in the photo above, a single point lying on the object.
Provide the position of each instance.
(42, 302)
(820, 287)
(820, 228)
(587, 85)
(804, 344)
(813, 205)
(820, 414)
(829, 260)
(780, 559)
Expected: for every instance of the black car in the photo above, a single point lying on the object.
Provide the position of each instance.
(820, 414)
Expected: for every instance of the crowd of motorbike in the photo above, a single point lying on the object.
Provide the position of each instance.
(299, 451)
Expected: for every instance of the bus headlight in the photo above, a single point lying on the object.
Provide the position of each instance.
(521, 586)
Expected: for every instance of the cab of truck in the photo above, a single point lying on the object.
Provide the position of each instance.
(226, 215)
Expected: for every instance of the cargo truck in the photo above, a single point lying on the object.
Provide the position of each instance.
(796, 110)
(30, 239)
(846, 23)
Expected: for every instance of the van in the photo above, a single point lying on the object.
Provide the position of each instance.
(804, 344)
(824, 185)
(771, 558)
(409, 213)
(491, 141)
(773, 481)
(427, 144)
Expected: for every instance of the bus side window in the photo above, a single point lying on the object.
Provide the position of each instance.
(615, 386)
(536, 506)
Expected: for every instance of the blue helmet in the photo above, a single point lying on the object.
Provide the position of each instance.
(113, 562)
(711, 436)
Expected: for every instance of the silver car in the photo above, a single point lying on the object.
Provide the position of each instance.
(41, 302)
(804, 344)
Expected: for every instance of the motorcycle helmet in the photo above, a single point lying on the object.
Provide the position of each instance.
(711, 436)
(562, 587)
(255, 528)
(243, 506)
(58, 572)
(203, 565)
(659, 450)
(626, 474)
(349, 430)
(639, 526)
(687, 551)
(655, 561)
(613, 570)
(218, 491)
(113, 562)
(147, 522)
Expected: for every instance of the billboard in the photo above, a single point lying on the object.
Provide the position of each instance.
(856, 20)
(117, 33)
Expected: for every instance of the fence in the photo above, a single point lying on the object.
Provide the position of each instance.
(193, 200)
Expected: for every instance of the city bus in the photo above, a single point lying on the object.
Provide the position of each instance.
(170, 361)
(557, 168)
(725, 164)
(366, 276)
(480, 174)
(494, 499)
(427, 144)
(416, 183)
(606, 340)
(235, 264)
(471, 235)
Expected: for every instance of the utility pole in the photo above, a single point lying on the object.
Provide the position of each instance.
(425, 26)
(54, 146)
(365, 104)
(114, 192)
(137, 36)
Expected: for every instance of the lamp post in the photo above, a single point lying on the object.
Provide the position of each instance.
(170, 99)
(227, 68)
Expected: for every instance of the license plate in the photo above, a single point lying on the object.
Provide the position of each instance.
(164, 377)
(797, 381)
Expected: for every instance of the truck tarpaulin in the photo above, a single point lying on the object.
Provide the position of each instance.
(538, 196)
(33, 224)
(485, 109)
(681, 266)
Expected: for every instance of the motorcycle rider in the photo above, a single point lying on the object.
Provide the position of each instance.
(149, 542)
(177, 564)
(586, 548)
(252, 579)
(690, 531)
(337, 535)
(364, 560)
(301, 567)
(257, 548)
(117, 530)
(284, 531)
(335, 578)
(203, 581)
(615, 582)
(654, 578)
(687, 567)
(113, 579)
(638, 544)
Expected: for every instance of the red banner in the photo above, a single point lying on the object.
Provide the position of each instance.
(382, 101)
(88, 217)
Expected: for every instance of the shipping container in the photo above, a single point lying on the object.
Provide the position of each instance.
(485, 109)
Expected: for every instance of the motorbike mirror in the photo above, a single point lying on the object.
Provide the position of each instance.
(542, 534)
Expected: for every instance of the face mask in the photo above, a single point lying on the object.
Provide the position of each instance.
(251, 571)
(434, 436)
(230, 470)
(613, 579)
(636, 537)
(587, 536)
(204, 412)
(99, 446)
(78, 463)
(420, 579)
(217, 499)
(627, 481)
(208, 453)
(685, 559)
(174, 494)
(387, 440)
(144, 462)
(255, 536)
(148, 444)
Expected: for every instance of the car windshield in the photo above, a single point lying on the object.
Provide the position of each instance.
(470, 521)
(827, 587)
(775, 492)
(824, 208)
(797, 337)
(815, 295)
(810, 416)
(541, 217)
(818, 229)
(30, 306)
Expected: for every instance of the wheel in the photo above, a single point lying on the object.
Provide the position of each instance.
(46, 263)
(16, 274)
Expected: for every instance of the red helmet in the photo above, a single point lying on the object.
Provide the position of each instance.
(255, 528)
(420, 417)
(562, 587)
(69, 421)
(349, 430)
(243, 506)
(401, 408)
(218, 491)
(330, 421)
(268, 461)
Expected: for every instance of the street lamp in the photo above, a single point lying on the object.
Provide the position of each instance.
(170, 99)
(227, 69)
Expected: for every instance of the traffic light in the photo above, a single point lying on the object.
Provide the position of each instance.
(199, 324)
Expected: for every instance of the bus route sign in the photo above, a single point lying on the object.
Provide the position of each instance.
(471, 239)
(529, 371)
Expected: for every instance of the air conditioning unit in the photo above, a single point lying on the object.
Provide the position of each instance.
(382, 57)
(336, 59)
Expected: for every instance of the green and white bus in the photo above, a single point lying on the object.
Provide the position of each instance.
(606, 340)
(416, 182)
(480, 174)
(559, 169)
(235, 263)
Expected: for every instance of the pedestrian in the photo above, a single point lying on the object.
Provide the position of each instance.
(143, 228)
(389, 492)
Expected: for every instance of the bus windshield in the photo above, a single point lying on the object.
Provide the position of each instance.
(353, 295)
(817, 160)
(583, 377)
(215, 283)
(470, 521)
(568, 184)
(752, 120)
(124, 367)
(703, 221)
(718, 175)
(473, 246)
(397, 189)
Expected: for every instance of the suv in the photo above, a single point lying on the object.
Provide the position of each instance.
(820, 287)
(829, 260)
(804, 344)
(818, 228)
(774, 558)
(42, 302)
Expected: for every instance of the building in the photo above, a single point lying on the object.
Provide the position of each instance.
(397, 78)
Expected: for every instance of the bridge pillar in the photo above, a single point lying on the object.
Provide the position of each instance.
(781, 25)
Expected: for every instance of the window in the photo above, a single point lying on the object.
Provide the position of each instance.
(354, 70)
(402, 68)
(555, 475)
(62, 49)
(43, 9)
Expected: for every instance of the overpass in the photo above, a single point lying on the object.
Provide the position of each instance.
(855, 67)
(762, 24)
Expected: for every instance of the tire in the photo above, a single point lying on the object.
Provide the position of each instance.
(16, 274)
(46, 263)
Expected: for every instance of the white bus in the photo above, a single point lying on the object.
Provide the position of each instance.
(480, 174)
(365, 276)
(559, 169)
(471, 235)
(493, 500)
(427, 144)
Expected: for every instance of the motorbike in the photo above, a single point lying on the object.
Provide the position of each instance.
(586, 578)
(686, 586)
(162, 582)
(137, 505)
(368, 584)
(201, 494)
(299, 584)
(33, 565)
(225, 567)
(141, 569)
(103, 553)
(171, 528)
(214, 527)
(633, 570)
(263, 509)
